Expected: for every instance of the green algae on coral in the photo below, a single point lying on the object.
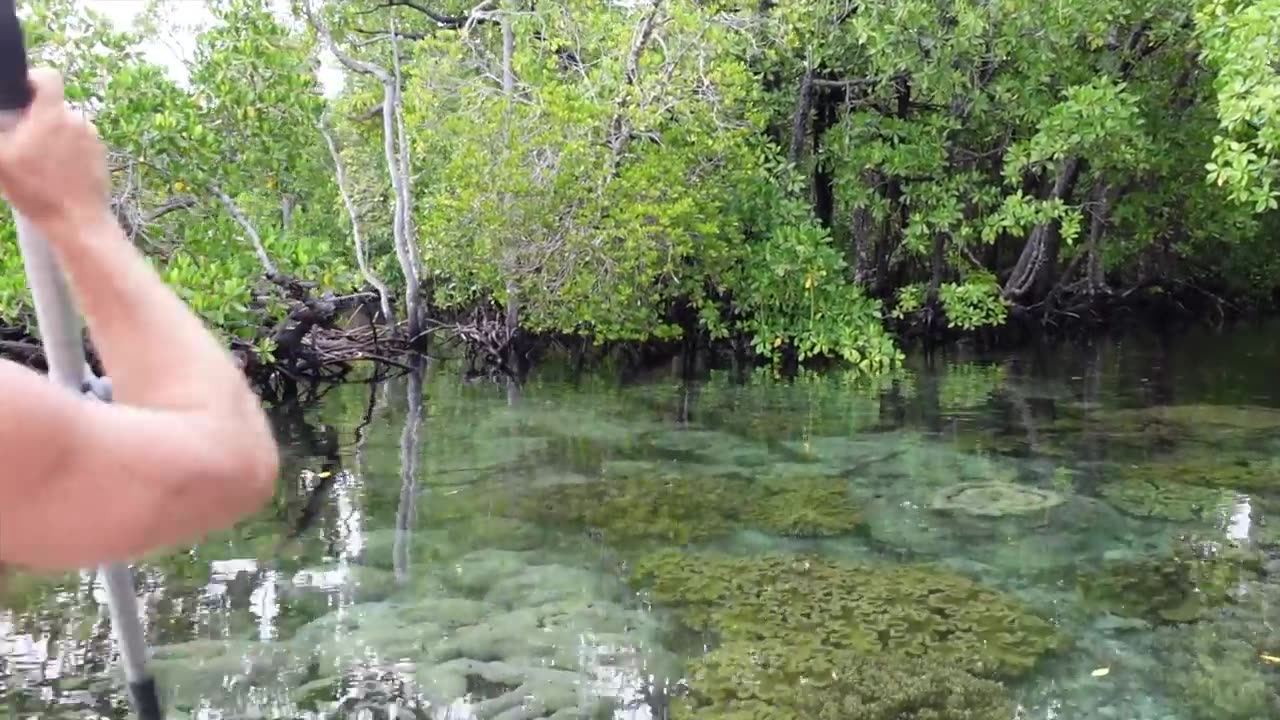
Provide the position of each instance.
(1178, 588)
(805, 508)
(1167, 500)
(994, 499)
(1239, 474)
(912, 610)
(1212, 418)
(789, 681)
(680, 510)
(1215, 675)
(1211, 428)
(684, 510)
(714, 447)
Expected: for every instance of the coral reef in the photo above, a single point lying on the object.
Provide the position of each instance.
(804, 508)
(691, 509)
(1179, 587)
(445, 460)
(673, 509)
(785, 681)
(1203, 427)
(1239, 474)
(1041, 544)
(713, 447)
(994, 499)
(1149, 498)
(911, 610)
(528, 640)
(1209, 418)
(1217, 676)
(444, 541)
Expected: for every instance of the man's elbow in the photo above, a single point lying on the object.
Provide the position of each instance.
(248, 468)
(261, 469)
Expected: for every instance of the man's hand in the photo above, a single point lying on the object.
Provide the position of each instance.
(53, 166)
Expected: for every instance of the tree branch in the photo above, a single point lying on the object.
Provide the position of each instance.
(508, 50)
(369, 114)
(800, 122)
(445, 21)
(244, 223)
(619, 128)
(382, 34)
(173, 204)
(356, 237)
(358, 66)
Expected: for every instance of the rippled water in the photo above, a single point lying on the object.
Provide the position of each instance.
(448, 550)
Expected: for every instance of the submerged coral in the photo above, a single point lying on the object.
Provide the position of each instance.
(1216, 676)
(912, 610)
(715, 447)
(691, 509)
(507, 637)
(1239, 474)
(1210, 418)
(668, 508)
(1208, 427)
(994, 499)
(1176, 588)
(804, 508)
(785, 681)
(1167, 500)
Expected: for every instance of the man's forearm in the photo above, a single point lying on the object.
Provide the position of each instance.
(156, 350)
(185, 450)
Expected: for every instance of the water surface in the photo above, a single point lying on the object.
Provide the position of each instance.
(1071, 533)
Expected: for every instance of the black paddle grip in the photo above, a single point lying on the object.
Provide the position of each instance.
(15, 90)
(146, 699)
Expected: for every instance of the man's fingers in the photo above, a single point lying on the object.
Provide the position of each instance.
(46, 84)
(47, 96)
(47, 99)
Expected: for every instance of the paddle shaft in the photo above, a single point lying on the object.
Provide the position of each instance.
(61, 334)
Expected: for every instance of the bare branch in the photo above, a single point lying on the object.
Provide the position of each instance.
(800, 123)
(175, 203)
(359, 66)
(356, 237)
(369, 114)
(619, 127)
(379, 35)
(244, 223)
(396, 160)
(445, 21)
(850, 84)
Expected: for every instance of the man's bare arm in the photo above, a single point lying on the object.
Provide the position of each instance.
(185, 447)
(87, 482)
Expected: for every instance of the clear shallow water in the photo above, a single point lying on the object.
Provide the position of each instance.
(482, 553)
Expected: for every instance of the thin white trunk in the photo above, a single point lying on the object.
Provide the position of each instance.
(384, 294)
(508, 50)
(508, 90)
(286, 214)
(391, 101)
(405, 254)
(406, 172)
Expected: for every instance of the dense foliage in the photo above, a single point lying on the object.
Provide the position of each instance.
(793, 178)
